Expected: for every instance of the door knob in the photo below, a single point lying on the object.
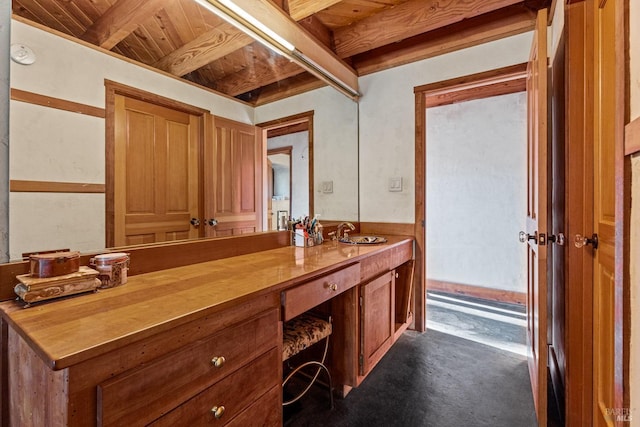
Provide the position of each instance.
(558, 239)
(523, 237)
(581, 241)
(212, 222)
(195, 222)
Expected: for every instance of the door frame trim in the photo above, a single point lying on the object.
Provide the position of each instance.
(501, 81)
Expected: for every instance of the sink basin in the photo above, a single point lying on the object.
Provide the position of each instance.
(363, 240)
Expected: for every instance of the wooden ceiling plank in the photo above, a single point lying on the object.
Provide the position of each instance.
(409, 19)
(300, 9)
(166, 22)
(493, 26)
(52, 16)
(273, 17)
(177, 16)
(120, 21)
(204, 49)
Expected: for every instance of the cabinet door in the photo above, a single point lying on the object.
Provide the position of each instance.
(233, 178)
(377, 306)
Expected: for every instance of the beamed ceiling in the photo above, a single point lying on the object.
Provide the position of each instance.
(186, 40)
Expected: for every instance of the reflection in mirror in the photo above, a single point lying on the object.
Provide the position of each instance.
(279, 197)
(289, 161)
(57, 157)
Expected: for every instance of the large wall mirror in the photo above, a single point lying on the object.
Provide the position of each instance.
(66, 144)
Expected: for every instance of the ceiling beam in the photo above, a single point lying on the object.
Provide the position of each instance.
(409, 19)
(120, 20)
(266, 69)
(293, 86)
(300, 9)
(277, 20)
(492, 26)
(204, 49)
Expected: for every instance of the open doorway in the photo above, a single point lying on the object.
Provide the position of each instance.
(476, 195)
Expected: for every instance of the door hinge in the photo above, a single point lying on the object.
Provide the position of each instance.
(361, 360)
(360, 301)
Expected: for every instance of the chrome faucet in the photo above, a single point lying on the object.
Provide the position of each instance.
(340, 233)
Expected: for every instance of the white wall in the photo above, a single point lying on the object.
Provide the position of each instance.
(634, 374)
(387, 136)
(54, 145)
(299, 142)
(335, 147)
(476, 192)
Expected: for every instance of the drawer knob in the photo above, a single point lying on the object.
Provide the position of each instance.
(333, 286)
(218, 362)
(218, 411)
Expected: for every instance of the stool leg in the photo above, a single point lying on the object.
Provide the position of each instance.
(321, 367)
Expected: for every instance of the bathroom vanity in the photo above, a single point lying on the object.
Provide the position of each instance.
(201, 343)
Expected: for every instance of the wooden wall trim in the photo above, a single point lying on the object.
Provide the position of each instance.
(491, 294)
(145, 259)
(24, 186)
(393, 228)
(632, 137)
(57, 103)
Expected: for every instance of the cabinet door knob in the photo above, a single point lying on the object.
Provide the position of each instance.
(218, 411)
(218, 362)
(333, 286)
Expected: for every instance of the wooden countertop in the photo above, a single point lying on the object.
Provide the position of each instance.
(68, 331)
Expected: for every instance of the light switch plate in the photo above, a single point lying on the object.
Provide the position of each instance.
(327, 187)
(395, 183)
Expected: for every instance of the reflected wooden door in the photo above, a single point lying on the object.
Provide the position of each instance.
(233, 178)
(156, 173)
(607, 214)
(537, 217)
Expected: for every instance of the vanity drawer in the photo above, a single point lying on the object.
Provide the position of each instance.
(141, 395)
(231, 396)
(303, 297)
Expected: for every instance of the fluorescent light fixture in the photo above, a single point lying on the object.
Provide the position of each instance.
(240, 19)
(245, 22)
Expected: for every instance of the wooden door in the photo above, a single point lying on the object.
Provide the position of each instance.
(156, 177)
(377, 320)
(233, 178)
(557, 255)
(607, 218)
(535, 236)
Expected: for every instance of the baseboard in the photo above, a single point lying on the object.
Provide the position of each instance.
(477, 291)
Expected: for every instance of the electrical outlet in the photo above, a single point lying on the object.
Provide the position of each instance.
(395, 183)
(327, 187)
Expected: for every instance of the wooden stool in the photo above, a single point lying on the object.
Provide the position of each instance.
(300, 333)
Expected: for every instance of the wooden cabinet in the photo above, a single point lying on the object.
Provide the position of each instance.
(377, 320)
(209, 369)
(173, 377)
(310, 294)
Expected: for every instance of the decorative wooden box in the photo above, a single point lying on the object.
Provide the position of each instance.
(54, 264)
(35, 289)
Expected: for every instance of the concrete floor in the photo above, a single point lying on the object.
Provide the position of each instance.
(466, 370)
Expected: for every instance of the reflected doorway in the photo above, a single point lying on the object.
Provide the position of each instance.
(289, 169)
(279, 198)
